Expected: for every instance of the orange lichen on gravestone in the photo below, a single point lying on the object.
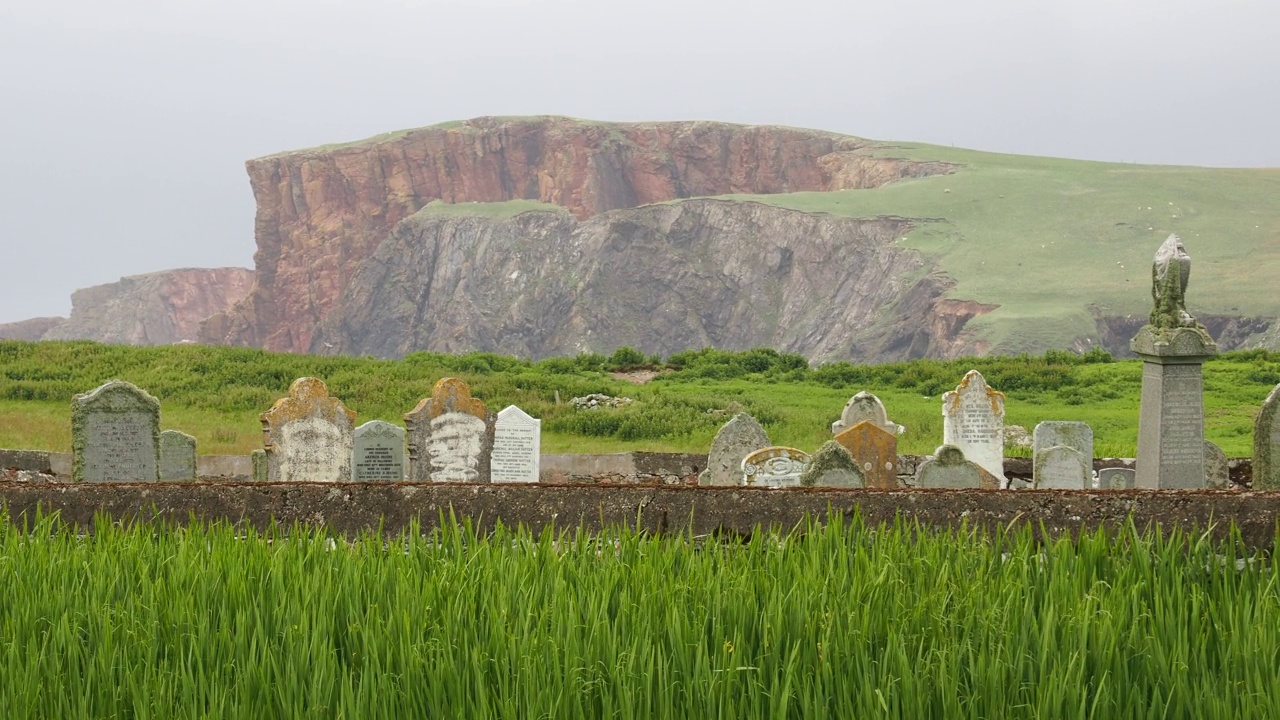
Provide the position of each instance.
(308, 397)
(876, 452)
(995, 397)
(448, 395)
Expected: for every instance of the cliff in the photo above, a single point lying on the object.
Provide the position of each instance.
(660, 278)
(323, 211)
(152, 309)
(32, 329)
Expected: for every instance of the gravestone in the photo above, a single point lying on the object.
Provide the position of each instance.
(1266, 443)
(1173, 348)
(774, 467)
(259, 460)
(177, 456)
(517, 447)
(1217, 474)
(308, 435)
(1072, 434)
(450, 435)
(832, 465)
(377, 452)
(973, 420)
(1114, 478)
(735, 440)
(875, 451)
(865, 407)
(1061, 468)
(115, 435)
(948, 468)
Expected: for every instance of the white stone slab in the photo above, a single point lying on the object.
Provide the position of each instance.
(517, 447)
(973, 420)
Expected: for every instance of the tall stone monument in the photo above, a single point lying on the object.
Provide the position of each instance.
(1173, 348)
(115, 435)
(450, 435)
(308, 435)
(517, 447)
(973, 421)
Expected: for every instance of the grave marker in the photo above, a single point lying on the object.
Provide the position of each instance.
(115, 435)
(774, 467)
(865, 407)
(259, 460)
(875, 451)
(1114, 478)
(450, 435)
(832, 465)
(1070, 433)
(177, 456)
(1061, 468)
(1266, 443)
(973, 421)
(735, 440)
(517, 447)
(948, 468)
(1173, 348)
(377, 452)
(1217, 473)
(308, 435)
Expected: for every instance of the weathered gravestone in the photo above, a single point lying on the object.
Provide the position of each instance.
(1173, 347)
(1061, 468)
(177, 456)
(875, 451)
(1114, 478)
(308, 435)
(1072, 434)
(735, 440)
(1217, 473)
(948, 468)
(1266, 443)
(450, 435)
(865, 407)
(377, 452)
(115, 435)
(259, 460)
(774, 467)
(832, 465)
(517, 447)
(973, 420)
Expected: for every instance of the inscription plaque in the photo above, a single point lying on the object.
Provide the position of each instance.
(377, 454)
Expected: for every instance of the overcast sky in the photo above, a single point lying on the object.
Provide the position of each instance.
(125, 123)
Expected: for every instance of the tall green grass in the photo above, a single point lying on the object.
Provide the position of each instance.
(845, 621)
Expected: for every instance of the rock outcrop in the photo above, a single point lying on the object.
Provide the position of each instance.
(152, 309)
(32, 329)
(660, 278)
(321, 212)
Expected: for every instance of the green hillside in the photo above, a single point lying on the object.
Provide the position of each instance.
(1050, 240)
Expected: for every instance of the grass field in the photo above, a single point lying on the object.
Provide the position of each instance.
(217, 393)
(842, 622)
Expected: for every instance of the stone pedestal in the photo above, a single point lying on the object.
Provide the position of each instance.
(1171, 421)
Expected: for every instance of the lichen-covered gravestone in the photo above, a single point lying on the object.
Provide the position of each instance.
(875, 451)
(973, 420)
(1173, 348)
(377, 453)
(948, 468)
(1217, 473)
(774, 467)
(1061, 468)
(308, 435)
(1114, 478)
(115, 435)
(832, 465)
(865, 407)
(259, 460)
(450, 435)
(517, 447)
(1266, 444)
(735, 440)
(177, 456)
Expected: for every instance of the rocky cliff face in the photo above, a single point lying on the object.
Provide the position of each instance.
(32, 329)
(152, 309)
(660, 278)
(321, 212)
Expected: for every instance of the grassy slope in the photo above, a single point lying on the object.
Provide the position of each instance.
(1046, 238)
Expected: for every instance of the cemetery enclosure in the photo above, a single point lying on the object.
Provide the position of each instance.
(352, 508)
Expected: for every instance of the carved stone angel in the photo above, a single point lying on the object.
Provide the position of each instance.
(1169, 275)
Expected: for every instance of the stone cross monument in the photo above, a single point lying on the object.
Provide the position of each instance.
(1173, 348)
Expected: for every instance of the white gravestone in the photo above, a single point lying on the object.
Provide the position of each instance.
(774, 467)
(1061, 468)
(973, 420)
(517, 447)
(115, 435)
(377, 454)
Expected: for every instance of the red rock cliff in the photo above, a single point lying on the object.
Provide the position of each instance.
(322, 211)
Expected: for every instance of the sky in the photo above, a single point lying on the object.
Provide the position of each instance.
(125, 124)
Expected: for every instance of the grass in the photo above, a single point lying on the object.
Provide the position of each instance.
(217, 393)
(493, 210)
(841, 621)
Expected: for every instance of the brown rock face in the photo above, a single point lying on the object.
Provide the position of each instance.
(321, 212)
(32, 329)
(153, 309)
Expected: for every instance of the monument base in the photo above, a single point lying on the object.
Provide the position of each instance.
(1171, 421)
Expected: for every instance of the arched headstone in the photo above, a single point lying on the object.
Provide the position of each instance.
(308, 435)
(973, 420)
(115, 435)
(450, 435)
(735, 440)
